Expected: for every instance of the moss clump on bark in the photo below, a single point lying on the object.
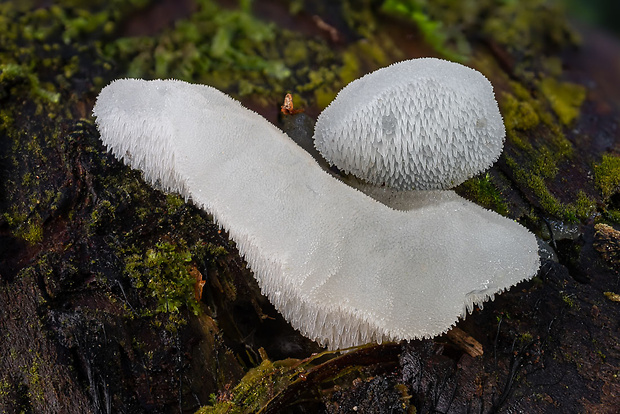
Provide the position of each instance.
(607, 175)
(565, 98)
(483, 191)
(164, 271)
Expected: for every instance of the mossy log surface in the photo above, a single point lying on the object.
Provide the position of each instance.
(115, 297)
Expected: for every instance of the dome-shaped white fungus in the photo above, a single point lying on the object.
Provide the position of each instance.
(419, 124)
(341, 267)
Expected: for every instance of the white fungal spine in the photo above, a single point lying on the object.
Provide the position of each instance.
(341, 267)
(419, 124)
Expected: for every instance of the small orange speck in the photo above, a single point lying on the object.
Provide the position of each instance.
(287, 106)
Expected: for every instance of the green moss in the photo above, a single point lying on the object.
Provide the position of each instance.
(560, 145)
(527, 117)
(32, 232)
(317, 78)
(255, 389)
(584, 206)
(607, 175)
(28, 179)
(360, 18)
(541, 147)
(537, 184)
(484, 192)
(28, 227)
(215, 46)
(518, 114)
(581, 209)
(526, 337)
(379, 51)
(519, 141)
(565, 98)
(544, 164)
(370, 53)
(324, 96)
(527, 26)
(11, 73)
(175, 202)
(5, 389)
(524, 114)
(35, 382)
(79, 22)
(295, 6)
(256, 386)
(569, 300)
(295, 53)
(164, 272)
(350, 68)
(324, 85)
(433, 30)
(613, 215)
(14, 218)
(214, 250)
(552, 65)
(102, 214)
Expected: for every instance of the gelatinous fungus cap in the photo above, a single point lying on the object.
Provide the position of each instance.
(419, 124)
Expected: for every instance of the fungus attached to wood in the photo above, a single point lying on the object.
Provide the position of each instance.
(423, 124)
(341, 267)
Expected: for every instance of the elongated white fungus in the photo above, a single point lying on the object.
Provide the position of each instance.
(341, 267)
(419, 124)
